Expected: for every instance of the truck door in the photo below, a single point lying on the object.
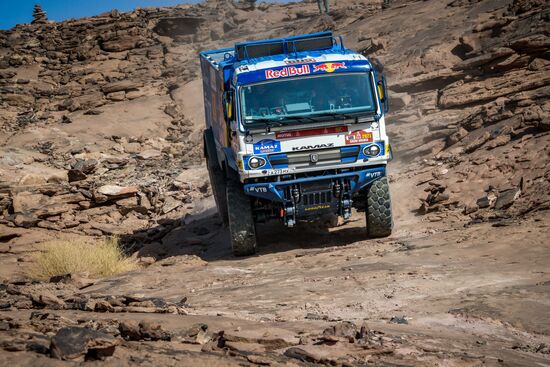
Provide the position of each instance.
(231, 120)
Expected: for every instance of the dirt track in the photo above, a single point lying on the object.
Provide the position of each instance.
(470, 295)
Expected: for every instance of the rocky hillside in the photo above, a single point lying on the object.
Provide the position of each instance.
(102, 117)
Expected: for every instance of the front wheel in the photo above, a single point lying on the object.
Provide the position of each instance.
(378, 211)
(241, 222)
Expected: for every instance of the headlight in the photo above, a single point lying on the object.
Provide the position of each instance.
(371, 150)
(256, 162)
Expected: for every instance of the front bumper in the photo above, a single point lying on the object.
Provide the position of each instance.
(277, 191)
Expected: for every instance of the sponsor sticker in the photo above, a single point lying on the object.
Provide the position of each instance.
(329, 67)
(373, 174)
(267, 146)
(287, 71)
(311, 132)
(258, 189)
(278, 171)
(317, 207)
(316, 146)
(358, 136)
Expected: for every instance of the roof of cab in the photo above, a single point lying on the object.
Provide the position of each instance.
(277, 50)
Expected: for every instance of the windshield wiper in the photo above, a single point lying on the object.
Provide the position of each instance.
(335, 115)
(299, 118)
(269, 123)
(354, 115)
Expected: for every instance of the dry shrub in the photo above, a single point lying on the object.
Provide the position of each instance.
(98, 259)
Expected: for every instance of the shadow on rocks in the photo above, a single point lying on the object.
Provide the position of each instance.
(203, 235)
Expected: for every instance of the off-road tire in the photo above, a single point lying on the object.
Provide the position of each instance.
(241, 222)
(217, 178)
(378, 213)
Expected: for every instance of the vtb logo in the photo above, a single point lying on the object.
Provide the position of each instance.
(329, 67)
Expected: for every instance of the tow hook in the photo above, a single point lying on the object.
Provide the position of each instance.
(346, 208)
(288, 214)
(346, 201)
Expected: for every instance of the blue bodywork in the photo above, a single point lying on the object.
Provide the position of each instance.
(274, 191)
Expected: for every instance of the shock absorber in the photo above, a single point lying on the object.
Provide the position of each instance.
(296, 193)
(337, 189)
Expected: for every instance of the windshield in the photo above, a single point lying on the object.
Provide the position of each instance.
(333, 95)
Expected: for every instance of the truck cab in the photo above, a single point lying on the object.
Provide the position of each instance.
(295, 129)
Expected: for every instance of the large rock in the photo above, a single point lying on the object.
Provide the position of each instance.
(32, 180)
(149, 154)
(43, 205)
(118, 44)
(144, 330)
(47, 299)
(114, 190)
(506, 198)
(79, 344)
(122, 85)
(25, 220)
(25, 201)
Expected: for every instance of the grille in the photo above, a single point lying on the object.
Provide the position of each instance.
(324, 157)
(303, 159)
(323, 197)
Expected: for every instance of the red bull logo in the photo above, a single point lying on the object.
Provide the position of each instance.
(287, 71)
(329, 67)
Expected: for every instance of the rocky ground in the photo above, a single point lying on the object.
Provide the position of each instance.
(101, 122)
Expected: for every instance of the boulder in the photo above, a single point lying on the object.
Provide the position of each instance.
(116, 96)
(25, 201)
(25, 220)
(85, 165)
(149, 154)
(144, 330)
(114, 190)
(32, 180)
(506, 198)
(76, 175)
(344, 329)
(122, 85)
(487, 201)
(79, 344)
(48, 299)
(153, 331)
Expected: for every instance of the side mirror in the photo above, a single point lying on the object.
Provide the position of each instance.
(382, 94)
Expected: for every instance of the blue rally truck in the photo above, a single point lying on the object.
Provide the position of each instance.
(295, 130)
